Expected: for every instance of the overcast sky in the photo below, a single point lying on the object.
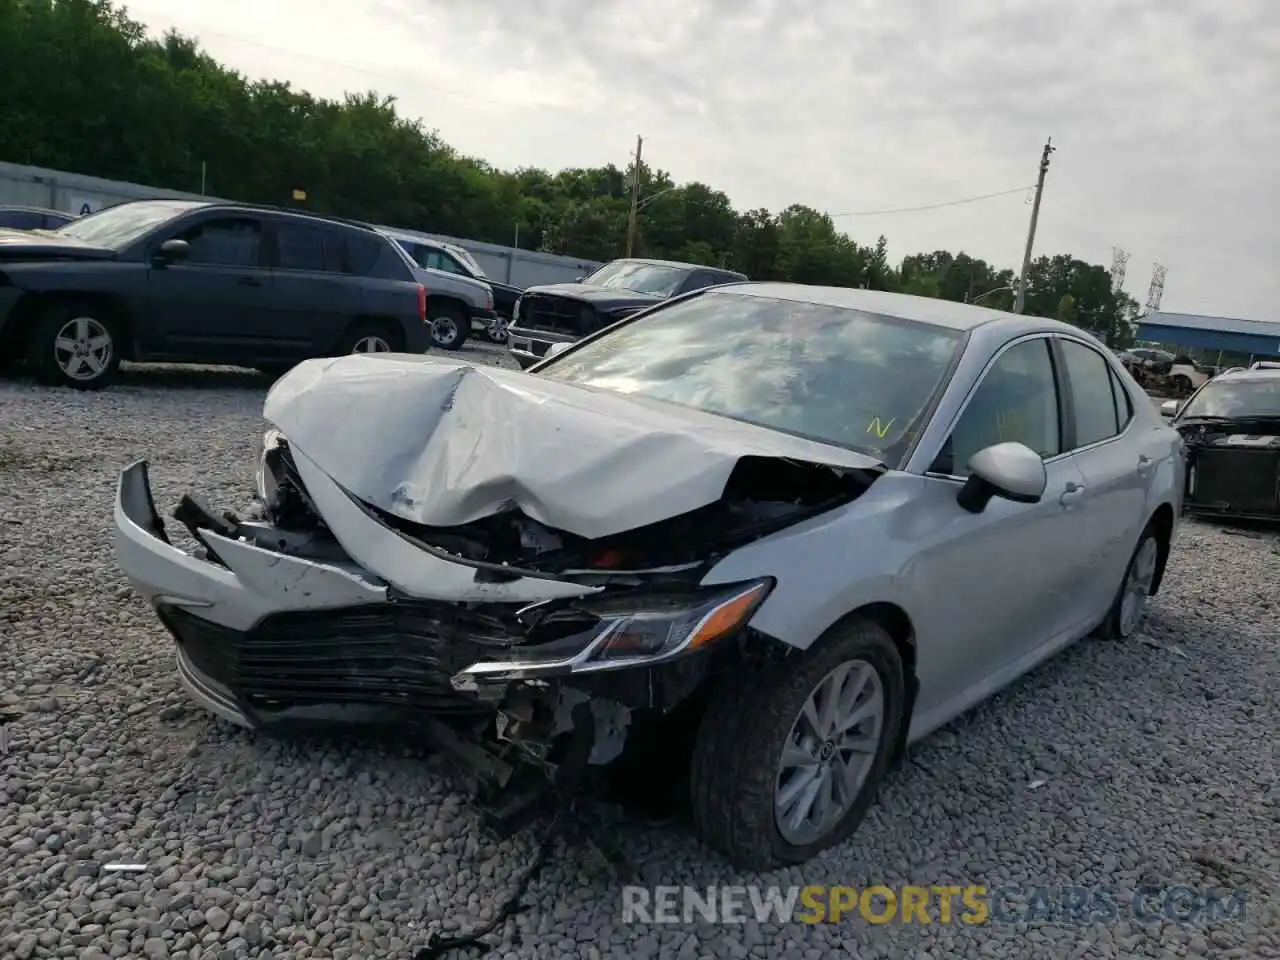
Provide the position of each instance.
(1165, 115)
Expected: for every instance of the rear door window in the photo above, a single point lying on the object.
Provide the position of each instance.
(310, 246)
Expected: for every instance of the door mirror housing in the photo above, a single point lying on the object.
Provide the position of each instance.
(1170, 408)
(1011, 471)
(170, 251)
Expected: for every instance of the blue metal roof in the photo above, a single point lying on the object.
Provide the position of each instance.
(1195, 321)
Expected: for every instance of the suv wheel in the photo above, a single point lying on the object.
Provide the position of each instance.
(787, 763)
(75, 345)
(367, 338)
(449, 327)
(496, 331)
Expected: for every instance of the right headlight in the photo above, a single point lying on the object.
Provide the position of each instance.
(628, 631)
(515, 309)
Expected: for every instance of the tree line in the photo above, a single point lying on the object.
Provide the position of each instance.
(86, 90)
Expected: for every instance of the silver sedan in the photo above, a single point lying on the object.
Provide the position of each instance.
(803, 526)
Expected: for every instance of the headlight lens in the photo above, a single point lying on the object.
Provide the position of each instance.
(515, 309)
(265, 477)
(630, 631)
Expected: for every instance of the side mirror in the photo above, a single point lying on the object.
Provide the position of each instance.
(1011, 471)
(1170, 408)
(579, 279)
(172, 250)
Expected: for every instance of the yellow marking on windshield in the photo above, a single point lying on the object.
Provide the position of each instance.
(879, 429)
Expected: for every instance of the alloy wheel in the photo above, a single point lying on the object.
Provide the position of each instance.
(371, 344)
(829, 752)
(83, 348)
(1137, 586)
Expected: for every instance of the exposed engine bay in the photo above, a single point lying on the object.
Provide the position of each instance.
(1233, 467)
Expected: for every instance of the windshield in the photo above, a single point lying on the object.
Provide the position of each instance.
(119, 226)
(844, 377)
(658, 279)
(1236, 399)
(468, 261)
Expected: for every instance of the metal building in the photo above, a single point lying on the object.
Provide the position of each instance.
(1256, 338)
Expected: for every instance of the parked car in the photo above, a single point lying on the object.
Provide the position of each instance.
(32, 218)
(195, 281)
(459, 302)
(565, 312)
(1231, 428)
(804, 526)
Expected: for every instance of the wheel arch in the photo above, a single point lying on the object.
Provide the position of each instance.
(896, 622)
(16, 334)
(1162, 520)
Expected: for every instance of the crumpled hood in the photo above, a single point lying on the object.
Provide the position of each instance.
(443, 442)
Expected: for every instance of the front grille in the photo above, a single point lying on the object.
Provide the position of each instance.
(557, 314)
(389, 655)
(1237, 481)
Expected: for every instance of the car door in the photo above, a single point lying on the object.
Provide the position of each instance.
(1116, 472)
(995, 586)
(314, 297)
(210, 304)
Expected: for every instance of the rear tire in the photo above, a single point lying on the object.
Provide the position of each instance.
(1129, 607)
(368, 338)
(739, 784)
(75, 344)
(450, 327)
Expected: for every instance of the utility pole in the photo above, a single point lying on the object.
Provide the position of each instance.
(635, 198)
(1021, 300)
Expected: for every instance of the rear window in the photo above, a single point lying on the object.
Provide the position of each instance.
(852, 379)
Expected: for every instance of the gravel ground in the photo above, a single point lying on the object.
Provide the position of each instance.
(1145, 762)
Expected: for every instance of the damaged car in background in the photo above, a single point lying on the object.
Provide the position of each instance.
(773, 532)
(1231, 428)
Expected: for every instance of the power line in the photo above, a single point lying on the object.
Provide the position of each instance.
(935, 206)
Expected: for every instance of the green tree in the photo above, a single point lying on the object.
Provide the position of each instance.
(85, 89)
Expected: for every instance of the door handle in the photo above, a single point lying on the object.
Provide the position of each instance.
(249, 282)
(1145, 464)
(1071, 493)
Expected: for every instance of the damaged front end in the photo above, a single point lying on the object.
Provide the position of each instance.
(492, 637)
(1233, 467)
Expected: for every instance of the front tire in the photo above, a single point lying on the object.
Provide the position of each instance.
(1129, 606)
(75, 345)
(788, 761)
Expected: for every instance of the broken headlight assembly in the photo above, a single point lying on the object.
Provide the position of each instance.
(266, 479)
(617, 633)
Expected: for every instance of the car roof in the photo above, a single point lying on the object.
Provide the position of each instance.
(186, 204)
(1262, 373)
(413, 237)
(904, 306)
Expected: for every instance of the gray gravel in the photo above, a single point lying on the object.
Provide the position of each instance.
(1146, 762)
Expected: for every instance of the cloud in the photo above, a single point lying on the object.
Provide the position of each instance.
(1164, 115)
